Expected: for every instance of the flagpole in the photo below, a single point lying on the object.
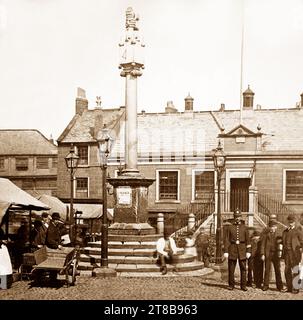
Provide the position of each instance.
(241, 67)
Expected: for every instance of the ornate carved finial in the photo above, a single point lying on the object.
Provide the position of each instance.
(131, 19)
(98, 101)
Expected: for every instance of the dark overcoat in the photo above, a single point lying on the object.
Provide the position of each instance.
(53, 236)
(236, 241)
(296, 243)
(265, 243)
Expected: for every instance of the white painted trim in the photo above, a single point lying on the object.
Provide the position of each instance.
(116, 173)
(88, 155)
(228, 161)
(280, 161)
(157, 186)
(235, 173)
(75, 185)
(284, 201)
(193, 185)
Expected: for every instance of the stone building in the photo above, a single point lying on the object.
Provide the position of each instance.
(263, 147)
(29, 160)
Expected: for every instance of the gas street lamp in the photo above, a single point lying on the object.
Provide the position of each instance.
(104, 143)
(72, 160)
(219, 159)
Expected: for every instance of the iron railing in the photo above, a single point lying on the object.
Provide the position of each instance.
(272, 205)
(178, 223)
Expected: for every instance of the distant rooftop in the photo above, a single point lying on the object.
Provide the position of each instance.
(25, 142)
(282, 129)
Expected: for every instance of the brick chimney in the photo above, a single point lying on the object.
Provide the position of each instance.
(81, 101)
(170, 108)
(302, 100)
(189, 103)
(248, 99)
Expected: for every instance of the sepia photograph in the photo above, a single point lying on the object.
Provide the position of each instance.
(151, 151)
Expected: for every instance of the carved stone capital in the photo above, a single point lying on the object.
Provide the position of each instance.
(133, 69)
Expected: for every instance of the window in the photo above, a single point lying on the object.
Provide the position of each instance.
(42, 163)
(81, 187)
(294, 185)
(28, 184)
(46, 184)
(21, 164)
(168, 182)
(54, 162)
(2, 164)
(83, 155)
(204, 185)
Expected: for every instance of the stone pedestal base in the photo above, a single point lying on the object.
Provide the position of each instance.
(104, 272)
(121, 228)
(131, 198)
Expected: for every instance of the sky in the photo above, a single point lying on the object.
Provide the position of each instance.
(48, 48)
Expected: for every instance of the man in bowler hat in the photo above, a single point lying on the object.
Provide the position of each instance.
(271, 254)
(53, 235)
(237, 247)
(292, 239)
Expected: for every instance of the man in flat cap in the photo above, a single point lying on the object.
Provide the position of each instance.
(237, 247)
(271, 254)
(292, 239)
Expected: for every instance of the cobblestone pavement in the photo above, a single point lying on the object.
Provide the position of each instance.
(210, 286)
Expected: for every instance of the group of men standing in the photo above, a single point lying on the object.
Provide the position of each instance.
(262, 250)
(49, 231)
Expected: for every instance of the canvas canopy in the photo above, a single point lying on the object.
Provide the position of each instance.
(55, 205)
(92, 211)
(12, 197)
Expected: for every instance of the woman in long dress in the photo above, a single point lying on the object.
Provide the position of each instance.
(6, 270)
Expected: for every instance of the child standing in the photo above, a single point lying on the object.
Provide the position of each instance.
(255, 263)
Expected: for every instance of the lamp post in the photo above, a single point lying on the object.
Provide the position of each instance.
(219, 159)
(104, 141)
(72, 160)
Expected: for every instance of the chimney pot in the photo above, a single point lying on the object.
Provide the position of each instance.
(98, 102)
(170, 108)
(81, 101)
(248, 99)
(189, 103)
(222, 107)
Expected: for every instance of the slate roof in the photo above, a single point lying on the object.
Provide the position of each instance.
(82, 128)
(282, 128)
(25, 142)
(187, 132)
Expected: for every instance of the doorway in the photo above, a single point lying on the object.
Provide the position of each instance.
(239, 194)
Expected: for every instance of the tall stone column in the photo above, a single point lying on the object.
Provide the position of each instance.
(131, 64)
(131, 188)
(131, 136)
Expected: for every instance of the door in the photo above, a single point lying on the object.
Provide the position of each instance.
(239, 194)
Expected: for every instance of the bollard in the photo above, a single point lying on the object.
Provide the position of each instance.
(160, 223)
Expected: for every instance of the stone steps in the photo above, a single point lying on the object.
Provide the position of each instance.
(149, 252)
(93, 259)
(133, 253)
(131, 237)
(86, 267)
(125, 244)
